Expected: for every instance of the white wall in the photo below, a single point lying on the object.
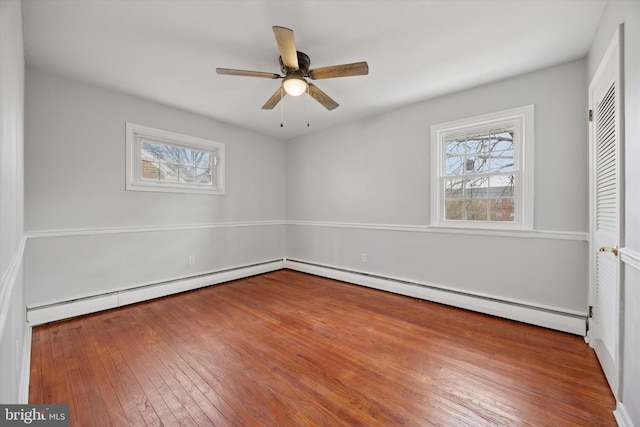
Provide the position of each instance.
(14, 332)
(89, 236)
(364, 188)
(627, 12)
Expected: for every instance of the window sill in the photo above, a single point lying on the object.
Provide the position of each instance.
(164, 188)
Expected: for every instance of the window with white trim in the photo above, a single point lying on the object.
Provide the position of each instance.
(159, 160)
(482, 171)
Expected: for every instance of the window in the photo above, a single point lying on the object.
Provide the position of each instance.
(158, 160)
(482, 171)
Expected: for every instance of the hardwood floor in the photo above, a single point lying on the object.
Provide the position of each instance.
(290, 349)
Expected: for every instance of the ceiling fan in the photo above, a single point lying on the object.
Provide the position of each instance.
(295, 67)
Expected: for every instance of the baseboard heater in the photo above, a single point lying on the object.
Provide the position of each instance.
(38, 315)
(548, 317)
(566, 321)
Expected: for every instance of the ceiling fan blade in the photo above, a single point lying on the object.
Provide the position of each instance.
(344, 70)
(273, 101)
(232, 72)
(322, 97)
(287, 46)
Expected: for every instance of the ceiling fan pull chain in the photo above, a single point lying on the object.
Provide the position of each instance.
(281, 109)
(308, 95)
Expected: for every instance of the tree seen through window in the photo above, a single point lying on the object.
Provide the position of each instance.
(479, 177)
(169, 163)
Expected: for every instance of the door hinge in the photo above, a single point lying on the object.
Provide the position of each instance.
(590, 115)
(590, 311)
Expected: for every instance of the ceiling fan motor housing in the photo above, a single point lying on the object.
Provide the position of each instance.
(304, 62)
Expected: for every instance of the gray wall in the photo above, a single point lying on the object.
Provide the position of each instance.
(88, 235)
(14, 334)
(628, 12)
(364, 188)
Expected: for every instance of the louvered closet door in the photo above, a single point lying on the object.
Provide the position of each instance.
(604, 94)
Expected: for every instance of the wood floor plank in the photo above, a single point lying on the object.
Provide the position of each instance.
(157, 392)
(180, 347)
(120, 382)
(35, 371)
(98, 411)
(228, 361)
(291, 349)
(62, 388)
(82, 407)
(166, 374)
(96, 375)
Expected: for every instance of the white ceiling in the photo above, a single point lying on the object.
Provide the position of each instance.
(168, 50)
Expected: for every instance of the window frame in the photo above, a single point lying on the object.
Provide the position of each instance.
(135, 134)
(522, 118)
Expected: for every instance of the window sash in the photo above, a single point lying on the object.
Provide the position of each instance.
(516, 211)
(180, 163)
(177, 164)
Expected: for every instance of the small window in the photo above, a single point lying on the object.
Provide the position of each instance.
(164, 161)
(482, 171)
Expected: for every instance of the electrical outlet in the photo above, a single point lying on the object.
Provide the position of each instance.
(192, 260)
(363, 257)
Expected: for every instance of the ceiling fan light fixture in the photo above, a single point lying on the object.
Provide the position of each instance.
(294, 85)
(294, 66)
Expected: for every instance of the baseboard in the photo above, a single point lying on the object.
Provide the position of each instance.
(67, 309)
(39, 315)
(622, 416)
(156, 291)
(540, 316)
(25, 368)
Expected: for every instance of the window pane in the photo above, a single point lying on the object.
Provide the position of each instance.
(170, 154)
(476, 188)
(187, 174)
(477, 145)
(203, 159)
(188, 157)
(170, 172)
(503, 139)
(150, 170)
(454, 188)
(476, 164)
(150, 151)
(456, 146)
(502, 154)
(156, 150)
(203, 176)
(454, 165)
(476, 210)
(502, 185)
(454, 209)
(502, 161)
(502, 209)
